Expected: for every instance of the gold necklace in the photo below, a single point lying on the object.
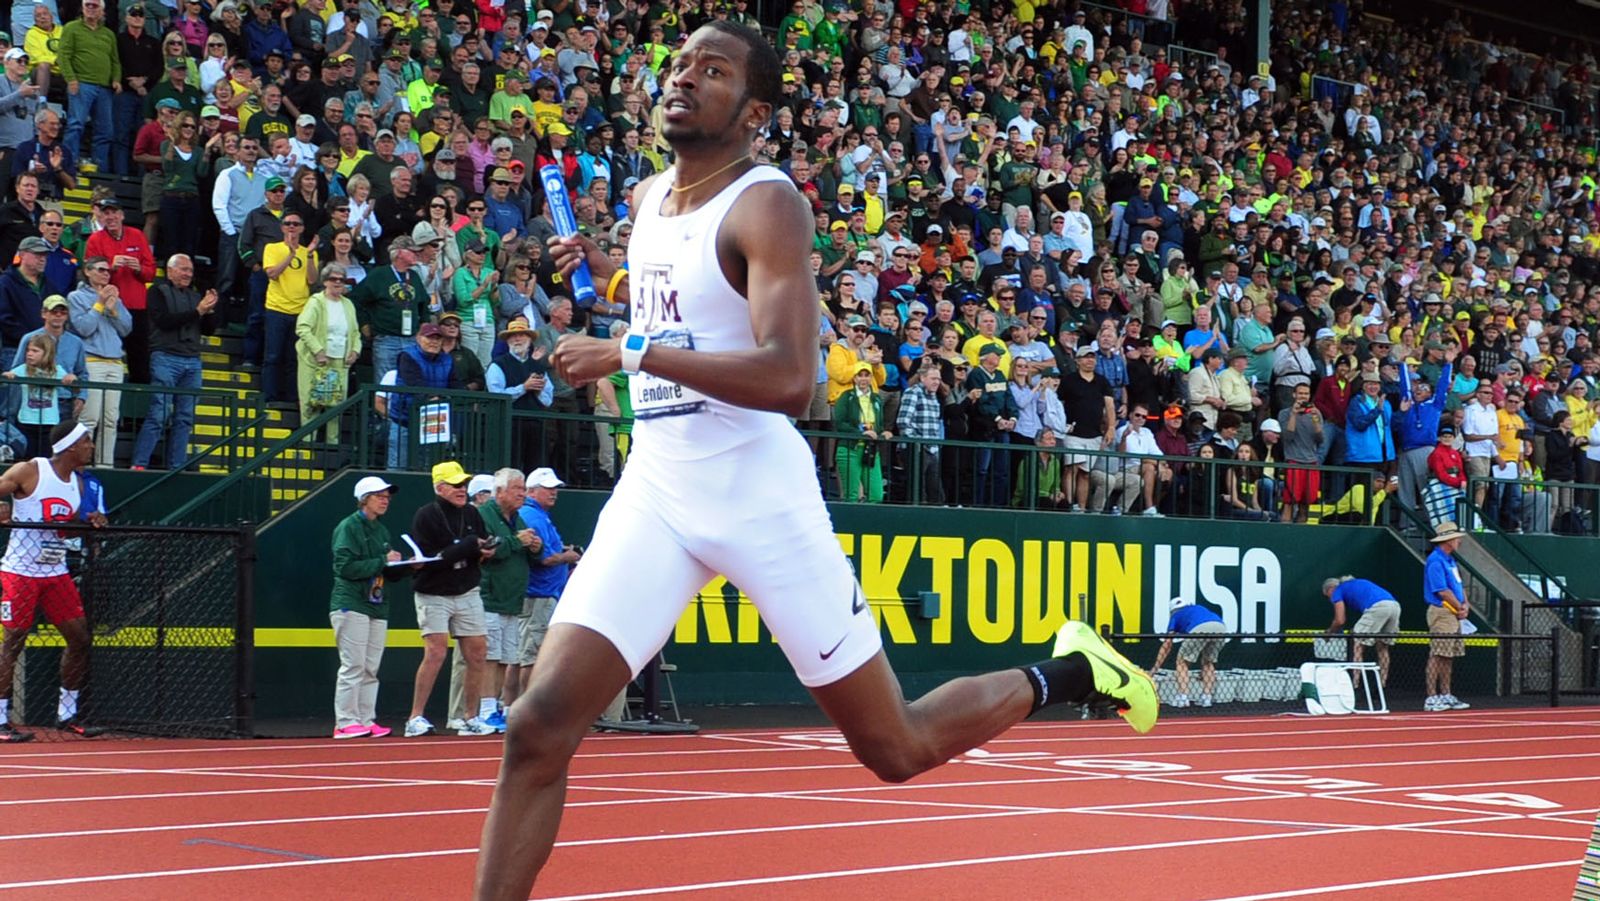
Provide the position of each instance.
(679, 190)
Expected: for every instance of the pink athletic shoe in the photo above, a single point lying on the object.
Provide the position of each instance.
(376, 731)
(352, 731)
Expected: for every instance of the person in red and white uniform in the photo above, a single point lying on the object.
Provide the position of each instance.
(33, 571)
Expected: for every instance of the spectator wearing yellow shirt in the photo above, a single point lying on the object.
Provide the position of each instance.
(350, 152)
(988, 322)
(1504, 503)
(291, 270)
(857, 347)
(419, 93)
(546, 109)
(40, 44)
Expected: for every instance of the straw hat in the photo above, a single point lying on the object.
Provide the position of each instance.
(1447, 531)
(517, 326)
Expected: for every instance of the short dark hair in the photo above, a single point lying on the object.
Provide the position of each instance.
(763, 77)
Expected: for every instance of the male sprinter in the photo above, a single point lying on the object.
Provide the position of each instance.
(722, 344)
(33, 572)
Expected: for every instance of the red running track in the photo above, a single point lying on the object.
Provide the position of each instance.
(1477, 804)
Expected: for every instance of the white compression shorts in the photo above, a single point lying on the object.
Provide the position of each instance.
(753, 514)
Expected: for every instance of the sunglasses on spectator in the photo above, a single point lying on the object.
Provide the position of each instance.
(48, 224)
(293, 224)
(477, 208)
(437, 206)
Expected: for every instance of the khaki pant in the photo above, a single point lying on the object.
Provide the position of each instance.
(1103, 484)
(360, 639)
(102, 409)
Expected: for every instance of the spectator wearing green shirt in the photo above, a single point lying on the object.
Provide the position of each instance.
(88, 59)
(359, 607)
(512, 97)
(390, 302)
(504, 588)
(476, 287)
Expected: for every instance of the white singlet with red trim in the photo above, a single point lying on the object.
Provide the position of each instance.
(37, 552)
(682, 299)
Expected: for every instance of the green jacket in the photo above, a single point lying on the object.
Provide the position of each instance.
(381, 297)
(847, 413)
(505, 575)
(360, 580)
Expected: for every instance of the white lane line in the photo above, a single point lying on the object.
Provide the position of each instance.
(1405, 880)
(678, 889)
(1172, 729)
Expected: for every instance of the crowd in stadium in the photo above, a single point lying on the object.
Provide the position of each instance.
(1094, 239)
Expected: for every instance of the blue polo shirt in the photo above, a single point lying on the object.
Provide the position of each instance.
(1185, 618)
(1440, 574)
(544, 581)
(1360, 594)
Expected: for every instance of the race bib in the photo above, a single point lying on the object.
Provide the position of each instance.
(655, 397)
(52, 553)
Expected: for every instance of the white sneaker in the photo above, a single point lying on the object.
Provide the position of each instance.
(1205, 700)
(475, 727)
(1151, 512)
(1434, 704)
(1180, 701)
(1455, 703)
(455, 724)
(418, 726)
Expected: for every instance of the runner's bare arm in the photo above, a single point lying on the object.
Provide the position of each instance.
(768, 232)
(19, 480)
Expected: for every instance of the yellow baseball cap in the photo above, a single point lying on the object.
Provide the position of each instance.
(450, 473)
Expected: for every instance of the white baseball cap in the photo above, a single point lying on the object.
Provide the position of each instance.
(372, 485)
(544, 477)
(1272, 425)
(479, 483)
(1175, 603)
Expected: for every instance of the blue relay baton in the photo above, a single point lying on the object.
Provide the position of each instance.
(555, 192)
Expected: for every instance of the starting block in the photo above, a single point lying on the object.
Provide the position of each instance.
(1328, 688)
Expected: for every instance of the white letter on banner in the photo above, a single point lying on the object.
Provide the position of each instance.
(1213, 591)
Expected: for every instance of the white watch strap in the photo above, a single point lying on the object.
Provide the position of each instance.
(633, 359)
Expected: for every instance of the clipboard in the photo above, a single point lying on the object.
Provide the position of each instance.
(417, 556)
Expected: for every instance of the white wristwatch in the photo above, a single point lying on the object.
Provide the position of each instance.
(634, 346)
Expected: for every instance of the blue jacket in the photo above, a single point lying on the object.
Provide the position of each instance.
(418, 369)
(19, 307)
(1368, 432)
(1419, 426)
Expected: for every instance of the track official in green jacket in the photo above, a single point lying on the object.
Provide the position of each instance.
(505, 587)
(359, 607)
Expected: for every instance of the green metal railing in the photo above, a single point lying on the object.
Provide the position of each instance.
(470, 427)
(241, 421)
(1544, 502)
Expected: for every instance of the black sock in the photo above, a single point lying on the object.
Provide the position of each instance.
(1059, 680)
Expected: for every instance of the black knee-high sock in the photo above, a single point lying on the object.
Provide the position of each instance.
(1059, 680)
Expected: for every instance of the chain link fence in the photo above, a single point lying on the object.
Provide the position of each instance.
(166, 614)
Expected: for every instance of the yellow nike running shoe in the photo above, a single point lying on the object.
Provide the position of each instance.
(1114, 676)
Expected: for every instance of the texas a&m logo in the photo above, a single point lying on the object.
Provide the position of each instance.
(655, 301)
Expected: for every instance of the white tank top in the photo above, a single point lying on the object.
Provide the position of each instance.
(39, 552)
(681, 298)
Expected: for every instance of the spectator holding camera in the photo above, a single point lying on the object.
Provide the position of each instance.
(451, 534)
(860, 412)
